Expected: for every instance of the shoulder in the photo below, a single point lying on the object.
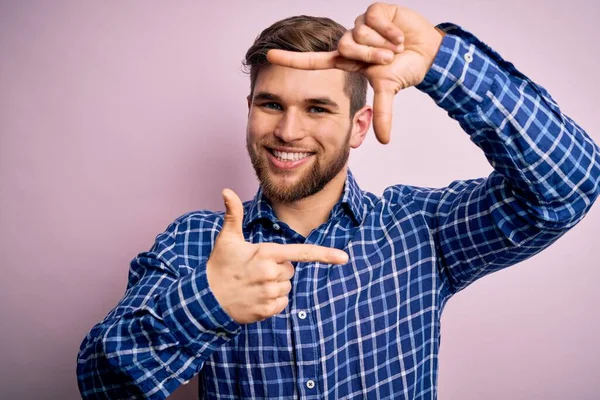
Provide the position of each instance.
(199, 219)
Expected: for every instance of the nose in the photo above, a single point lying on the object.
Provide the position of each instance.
(290, 127)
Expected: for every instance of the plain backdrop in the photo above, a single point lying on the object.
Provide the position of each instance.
(117, 117)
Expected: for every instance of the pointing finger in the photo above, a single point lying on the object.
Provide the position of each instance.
(303, 60)
(306, 253)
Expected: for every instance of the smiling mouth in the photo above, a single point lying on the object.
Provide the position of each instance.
(289, 156)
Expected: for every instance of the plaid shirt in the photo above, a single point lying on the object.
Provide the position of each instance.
(371, 328)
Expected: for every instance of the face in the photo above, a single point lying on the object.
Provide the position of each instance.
(299, 131)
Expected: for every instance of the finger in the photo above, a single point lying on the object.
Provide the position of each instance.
(380, 17)
(306, 253)
(314, 60)
(285, 288)
(365, 35)
(234, 214)
(303, 60)
(286, 271)
(383, 104)
(280, 304)
(352, 50)
(268, 291)
(351, 65)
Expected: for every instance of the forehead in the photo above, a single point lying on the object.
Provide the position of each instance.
(296, 85)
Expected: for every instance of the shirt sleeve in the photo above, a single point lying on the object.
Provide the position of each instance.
(160, 333)
(546, 168)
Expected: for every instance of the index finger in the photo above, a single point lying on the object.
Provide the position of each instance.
(303, 60)
(308, 253)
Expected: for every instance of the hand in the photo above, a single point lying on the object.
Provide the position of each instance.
(252, 281)
(392, 46)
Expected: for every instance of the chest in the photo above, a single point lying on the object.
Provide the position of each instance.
(364, 319)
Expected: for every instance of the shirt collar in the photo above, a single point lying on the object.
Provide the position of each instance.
(353, 198)
(351, 201)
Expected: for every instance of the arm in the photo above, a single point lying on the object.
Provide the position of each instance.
(546, 168)
(160, 333)
(171, 319)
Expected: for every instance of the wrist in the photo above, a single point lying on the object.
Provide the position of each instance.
(432, 56)
(436, 43)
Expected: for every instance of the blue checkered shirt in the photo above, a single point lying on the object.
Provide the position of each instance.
(369, 329)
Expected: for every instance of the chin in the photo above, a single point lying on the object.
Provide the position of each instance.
(284, 182)
(291, 185)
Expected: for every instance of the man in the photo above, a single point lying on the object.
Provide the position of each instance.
(316, 289)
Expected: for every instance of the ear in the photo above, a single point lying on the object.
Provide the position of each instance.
(361, 122)
(249, 99)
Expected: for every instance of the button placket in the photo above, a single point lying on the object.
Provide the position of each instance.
(304, 330)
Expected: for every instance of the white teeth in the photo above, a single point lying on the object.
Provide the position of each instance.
(290, 156)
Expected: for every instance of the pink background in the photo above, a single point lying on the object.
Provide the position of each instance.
(117, 117)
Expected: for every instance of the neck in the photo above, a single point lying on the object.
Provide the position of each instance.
(306, 214)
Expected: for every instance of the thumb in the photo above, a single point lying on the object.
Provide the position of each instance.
(383, 104)
(234, 214)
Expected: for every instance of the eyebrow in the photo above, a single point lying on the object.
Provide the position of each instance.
(321, 101)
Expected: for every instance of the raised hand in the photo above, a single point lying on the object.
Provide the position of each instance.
(252, 281)
(392, 46)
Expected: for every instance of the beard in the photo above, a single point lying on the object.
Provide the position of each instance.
(318, 175)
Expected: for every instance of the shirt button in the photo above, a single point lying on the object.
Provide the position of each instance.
(186, 382)
(276, 226)
(221, 334)
(302, 315)
(310, 384)
(468, 57)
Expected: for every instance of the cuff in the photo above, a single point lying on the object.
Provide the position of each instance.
(193, 314)
(462, 72)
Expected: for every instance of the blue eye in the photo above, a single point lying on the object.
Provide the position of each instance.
(317, 110)
(272, 106)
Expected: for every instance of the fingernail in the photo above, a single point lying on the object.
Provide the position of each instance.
(387, 58)
(400, 39)
(344, 257)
